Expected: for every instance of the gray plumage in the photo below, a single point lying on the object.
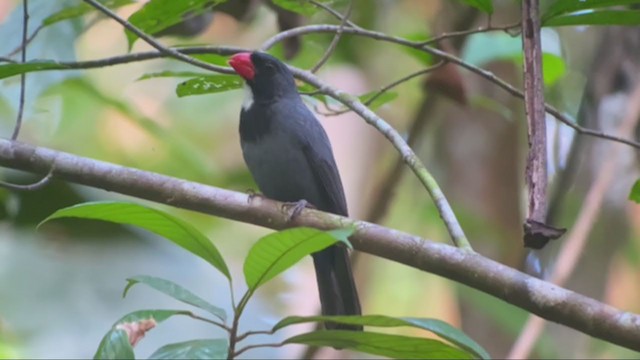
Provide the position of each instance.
(290, 158)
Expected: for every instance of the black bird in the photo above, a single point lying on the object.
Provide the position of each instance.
(290, 158)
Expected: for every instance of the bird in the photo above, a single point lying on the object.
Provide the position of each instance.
(291, 160)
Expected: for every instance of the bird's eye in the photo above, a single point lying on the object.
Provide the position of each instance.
(269, 67)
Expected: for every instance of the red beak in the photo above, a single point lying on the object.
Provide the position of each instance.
(242, 64)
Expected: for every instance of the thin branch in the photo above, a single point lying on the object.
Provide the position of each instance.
(403, 80)
(334, 42)
(23, 76)
(141, 56)
(311, 29)
(30, 187)
(506, 28)
(390, 86)
(151, 41)
(26, 41)
(534, 295)
(336, 14)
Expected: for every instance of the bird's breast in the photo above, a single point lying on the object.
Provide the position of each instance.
(280, 168)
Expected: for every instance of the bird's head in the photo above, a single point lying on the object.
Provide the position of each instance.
(267, 77)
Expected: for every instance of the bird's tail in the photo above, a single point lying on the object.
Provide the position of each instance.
(336, 286)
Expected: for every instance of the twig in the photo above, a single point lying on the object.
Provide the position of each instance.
(151, 41)
(25, 42)
(489, 27)
(575, 243)
(141, 56)
(334, 42)
(23, 76)
(339, 16)
(403, 80)
(30, 187)
(390, 86)
(536, 296)
(310, 29)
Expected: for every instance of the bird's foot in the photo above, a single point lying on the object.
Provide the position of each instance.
(295, 208)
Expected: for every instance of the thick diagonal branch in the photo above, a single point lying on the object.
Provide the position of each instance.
(539, 297)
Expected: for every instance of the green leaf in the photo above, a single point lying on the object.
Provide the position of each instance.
(481, 49)
(214, 59)
(157, 316)
(12, 69)
(482, 5)
(393, 346)
(342, 234)
(116, 343)
(163, 74)
(634, 195)
(561, 7)
(193, 349)
(422, 56)
(72, 12)
(208, 85)
(438, 327)
(302, 7)
(155, 221)
(384, 98)
(603, 17)
(278, 251)
(553, 68)
(157, 15)
(177, 292)
(324, 99)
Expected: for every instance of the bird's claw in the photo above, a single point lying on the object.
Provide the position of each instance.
(297, 207)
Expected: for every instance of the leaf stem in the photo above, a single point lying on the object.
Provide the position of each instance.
(212, 322)
(233, 334)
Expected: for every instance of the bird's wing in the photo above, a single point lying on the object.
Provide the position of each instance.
(326, 174)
